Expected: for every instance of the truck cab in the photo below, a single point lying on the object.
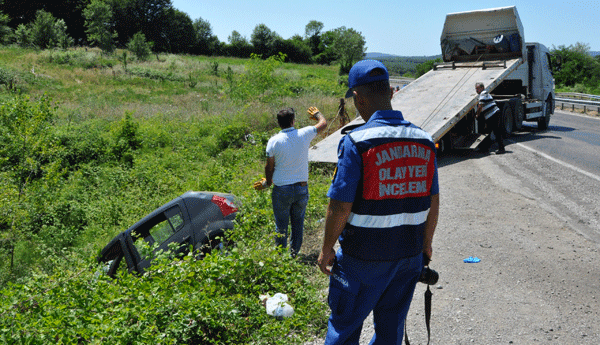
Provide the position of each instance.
(497, 34)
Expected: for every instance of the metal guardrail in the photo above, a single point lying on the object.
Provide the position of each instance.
(575, 95)
(579, 100)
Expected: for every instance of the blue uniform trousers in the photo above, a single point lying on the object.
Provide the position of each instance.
(358, 287)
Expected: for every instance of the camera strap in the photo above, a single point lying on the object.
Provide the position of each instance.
(427, 299)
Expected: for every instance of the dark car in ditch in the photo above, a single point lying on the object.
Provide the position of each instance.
(197, 219)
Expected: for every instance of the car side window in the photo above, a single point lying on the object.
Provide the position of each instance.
(161, 231)
(175, 218)
(171, 223)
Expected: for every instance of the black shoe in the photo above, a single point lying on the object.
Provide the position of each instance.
(501, 151)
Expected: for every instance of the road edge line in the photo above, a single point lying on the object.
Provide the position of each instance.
(565, 164)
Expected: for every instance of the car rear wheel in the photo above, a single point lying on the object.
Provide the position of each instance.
(215, 242)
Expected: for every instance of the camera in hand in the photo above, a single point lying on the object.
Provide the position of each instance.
(428, 276)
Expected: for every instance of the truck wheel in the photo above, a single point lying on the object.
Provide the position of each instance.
(518, 114)
(544, 122)
(507, 120)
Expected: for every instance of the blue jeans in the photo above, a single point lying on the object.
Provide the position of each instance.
(358, 287)
(289, 203)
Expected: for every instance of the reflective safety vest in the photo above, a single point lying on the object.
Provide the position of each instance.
(393, 198)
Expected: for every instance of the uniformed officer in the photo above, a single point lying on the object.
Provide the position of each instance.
(383, 207)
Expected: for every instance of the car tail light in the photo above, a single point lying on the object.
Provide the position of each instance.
(225, 205)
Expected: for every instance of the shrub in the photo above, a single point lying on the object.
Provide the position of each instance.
(139, 47)
(22, 35)
(8, 78)
(231, 136)
(126, 140)
(43, 30)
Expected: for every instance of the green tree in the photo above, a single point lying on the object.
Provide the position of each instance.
(312, 32)
(27, 145)
(178, 34)
(206, 42)
(99, 24)
(22, 36)
(263, 40)
(238, 45)
(236, 38)
(43, 30)
(576, 66)
(5, 30)
(295, 49)
(327, 54)
(148, 16)
(63, 40)
(139, 47)
(23, 11)
(425, 67)
(349, 45)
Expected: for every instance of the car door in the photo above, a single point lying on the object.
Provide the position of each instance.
(162, 229)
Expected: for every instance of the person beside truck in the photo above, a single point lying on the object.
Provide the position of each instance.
(488, 111)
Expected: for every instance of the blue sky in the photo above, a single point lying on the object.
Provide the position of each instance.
(395, 27)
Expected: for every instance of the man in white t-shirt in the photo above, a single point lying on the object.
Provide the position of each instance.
(287, 170)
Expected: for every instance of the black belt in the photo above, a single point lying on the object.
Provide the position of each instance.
(303, 184)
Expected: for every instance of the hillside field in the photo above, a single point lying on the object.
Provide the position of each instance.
(92, 143)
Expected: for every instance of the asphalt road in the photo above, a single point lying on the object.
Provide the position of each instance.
(532, 217)
(571, 138)
(571, 146)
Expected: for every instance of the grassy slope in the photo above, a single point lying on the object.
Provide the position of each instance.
(183, 107)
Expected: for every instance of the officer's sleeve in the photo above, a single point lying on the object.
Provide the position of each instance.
(348, 172)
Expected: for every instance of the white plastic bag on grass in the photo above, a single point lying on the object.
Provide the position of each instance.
(277, 306)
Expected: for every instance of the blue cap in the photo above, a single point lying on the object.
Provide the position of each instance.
(361, 74)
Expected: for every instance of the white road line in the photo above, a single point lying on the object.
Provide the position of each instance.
(588, 174)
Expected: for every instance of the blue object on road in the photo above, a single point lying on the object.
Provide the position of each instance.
(472, 260)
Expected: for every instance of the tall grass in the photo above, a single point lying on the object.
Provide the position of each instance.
(128, 137)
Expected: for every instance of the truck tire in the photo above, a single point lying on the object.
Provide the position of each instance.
(518, 114)
(506, 121)
(544, 121)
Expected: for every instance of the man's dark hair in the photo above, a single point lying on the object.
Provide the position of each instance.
(285, 117)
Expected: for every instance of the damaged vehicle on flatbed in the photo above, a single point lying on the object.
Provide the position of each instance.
(197, 219)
